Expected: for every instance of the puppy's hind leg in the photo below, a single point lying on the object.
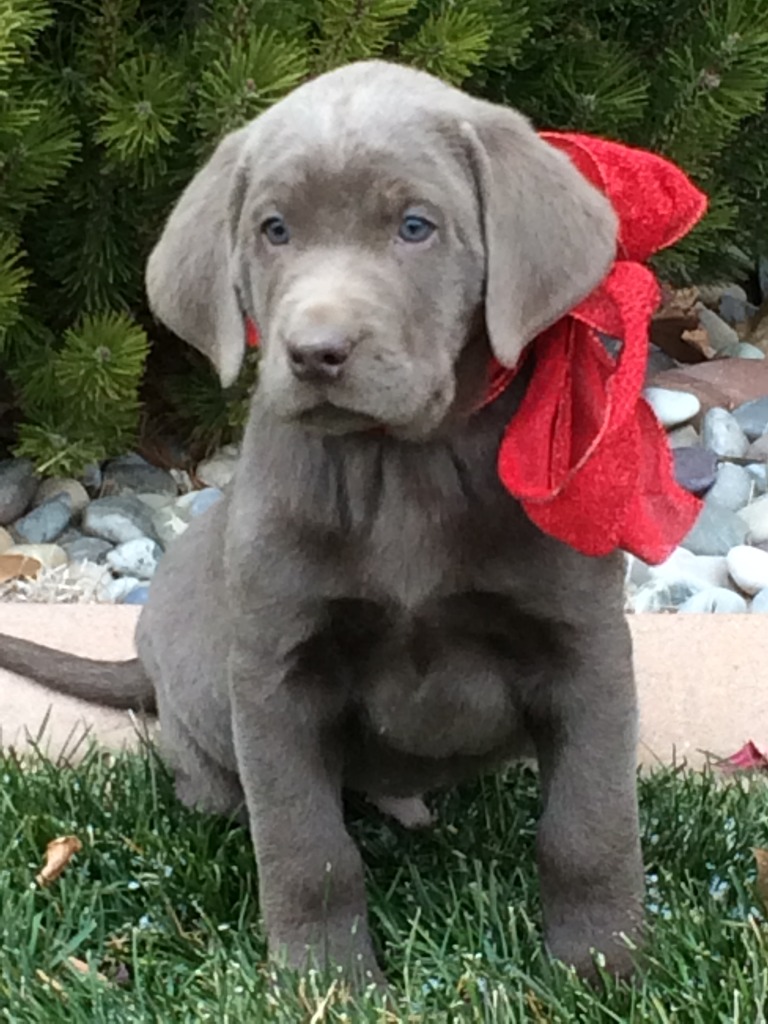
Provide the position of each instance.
(200, 781)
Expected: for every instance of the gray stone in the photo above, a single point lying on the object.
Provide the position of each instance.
(88, 549)
(683, 437)
(169, 524)
(53, 486)
(131, 474)
(91, 478)
(137, 558)
(118, 519)
(733, 487)
(721, 335)
(220, 468)
(722, 434)
(746, 351)
(716, 531)
(138, 595)
(659, 596)
(760, 602)
(758, 450)
(202, 501)
(758, 473)
(18, 483)
(46, 522)
(734, 307)
(695, 468)
(672, 407)
(699, 572)
(716, 599)
(752, 417)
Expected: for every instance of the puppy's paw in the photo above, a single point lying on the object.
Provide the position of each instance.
(411, 812)
(592, 951)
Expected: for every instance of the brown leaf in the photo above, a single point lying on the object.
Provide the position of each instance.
(12, 567)
(58, 854)
(82, 968)
(699, 339)
(761, 883)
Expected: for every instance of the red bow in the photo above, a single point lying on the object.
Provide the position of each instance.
(584, 454)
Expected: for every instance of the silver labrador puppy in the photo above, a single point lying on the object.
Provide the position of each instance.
(369, 608)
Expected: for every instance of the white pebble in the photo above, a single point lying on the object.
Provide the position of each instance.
(137, 558)
(672, 407)
(760, 602)
(722, 434)
(748, 568)
(755, 515)
(716, 599)
(697, 571)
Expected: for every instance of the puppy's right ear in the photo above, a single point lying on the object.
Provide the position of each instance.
(190, 277)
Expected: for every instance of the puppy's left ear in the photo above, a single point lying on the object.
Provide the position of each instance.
(550, 236)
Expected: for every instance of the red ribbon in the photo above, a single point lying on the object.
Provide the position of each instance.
(584, 454)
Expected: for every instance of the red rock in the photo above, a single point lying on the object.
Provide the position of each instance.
(723, 382)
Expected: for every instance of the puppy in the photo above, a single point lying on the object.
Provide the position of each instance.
(369, 609)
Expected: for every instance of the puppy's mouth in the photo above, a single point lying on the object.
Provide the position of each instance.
(328, 418)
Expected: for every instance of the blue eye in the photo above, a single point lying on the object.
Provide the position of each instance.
(415, 229)
(276, 230)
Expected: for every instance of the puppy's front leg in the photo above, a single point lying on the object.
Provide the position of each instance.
(588, 847)
(290, 764)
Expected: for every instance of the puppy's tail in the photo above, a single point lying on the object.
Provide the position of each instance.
(117, 684)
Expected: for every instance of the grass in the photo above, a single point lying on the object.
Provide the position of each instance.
(162, 903)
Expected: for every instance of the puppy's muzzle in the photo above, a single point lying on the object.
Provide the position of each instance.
(318, 355)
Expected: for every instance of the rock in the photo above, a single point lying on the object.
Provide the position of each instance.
(18, 483)
(716, 531)
(695, 468)
(752, 417)
(131, 474)
(734, 307)
(748, 568)
(722, 434)
(155, 501)
(48, 555)
(138, 595)
(118, 519)
(760, 602)
(755, 518)
(716, 599)
(168, 525)
(672, 407)
(758, 474)
(6, 540)
(220, 468)
(658, 596)
(699, 572)
(721, 382)
(683, 437)
(91, 477)
(137, 558)
(116, 590)
(197, 502)
(733, 487)
(637, 572)
(721, 336)
(56, 485)
(658, 361)
(746, 351)
(88, 549)
(758, 450)
(46, 522)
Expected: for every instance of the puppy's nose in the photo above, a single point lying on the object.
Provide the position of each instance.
(319, 355)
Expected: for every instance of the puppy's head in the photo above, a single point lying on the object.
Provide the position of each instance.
(367, 223)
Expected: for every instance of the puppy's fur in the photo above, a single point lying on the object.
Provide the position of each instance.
(369, 608)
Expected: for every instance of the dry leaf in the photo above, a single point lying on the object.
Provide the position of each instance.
(536, 1008)
(13, 567)
(761, 883)
(699, 339)
(82, 968)
(749, 758)
(48, 980)
(58, 854)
